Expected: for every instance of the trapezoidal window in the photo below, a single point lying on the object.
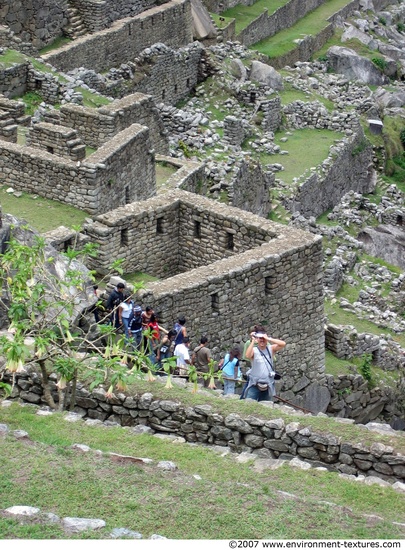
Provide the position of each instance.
(159, 226)
(400, 220)
(50, 149)
(197, 229)
(269, 283)
(127, 198)
(230, 244)
(124, 237)
(215, 302)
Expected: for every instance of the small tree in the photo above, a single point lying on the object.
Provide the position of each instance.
(46, 296)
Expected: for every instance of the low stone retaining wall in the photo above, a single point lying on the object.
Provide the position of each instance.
(126, 38)
(345, 342)
(265, 25)
(348, 167)
(271, 438)
(351, 397)
(119, 172)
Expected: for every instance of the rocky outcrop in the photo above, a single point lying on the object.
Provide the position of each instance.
(354, 67)
(385, 241)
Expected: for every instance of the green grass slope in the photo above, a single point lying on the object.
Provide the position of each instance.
(208, 496)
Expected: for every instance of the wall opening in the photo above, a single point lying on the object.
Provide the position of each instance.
(38, 84)
(127, 197)
(197, 229)
(230, 243)
(400, 220)
(215, 302)
(50, 149)
(159, 226)
(124, 237)
(269, 283)
(252, 97)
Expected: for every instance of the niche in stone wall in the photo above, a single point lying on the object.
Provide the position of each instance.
(215, 302)
(159, 226)
(197, 229)
(230, 242)
(124, 241)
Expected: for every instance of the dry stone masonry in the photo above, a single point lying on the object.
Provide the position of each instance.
(213, 259)
(272, 438)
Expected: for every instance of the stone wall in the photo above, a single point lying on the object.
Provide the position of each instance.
(57, 140)
(219, 6)
(346, 343)
(190, 175)
(35, 21)
(97, 126)
(273, 438)
(13, 80)
(304, 50)
(265, 25)
(11, 114)
(168, 75)
(349, 168)
(125, 39)
(251, 189)
(9, 40)
(259, 271)
(98, 15)
(351, 397)
(46, 84)
(119, 172)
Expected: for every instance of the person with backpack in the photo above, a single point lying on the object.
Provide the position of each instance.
(164, 349)
(201, 357)
(230, 370)
(181, 331)
(114, 300)
(135, 327)
(261, 385)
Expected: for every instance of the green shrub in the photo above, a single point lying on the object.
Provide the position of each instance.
(379, 62)
(402, 137)
(365, 368)
(382, 20)
(400, 27)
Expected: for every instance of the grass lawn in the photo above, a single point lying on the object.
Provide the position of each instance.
(306, 148)
(42, 214)
(208, 496)
(244, 15)
(312, 24)
(163, 172)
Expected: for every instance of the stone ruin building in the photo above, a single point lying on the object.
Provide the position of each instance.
(223, 268)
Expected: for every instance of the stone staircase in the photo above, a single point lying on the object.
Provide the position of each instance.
(76, 26)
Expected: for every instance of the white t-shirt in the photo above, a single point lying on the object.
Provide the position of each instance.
(181, 351)
(126, 309)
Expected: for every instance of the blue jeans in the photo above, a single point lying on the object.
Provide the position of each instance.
(125, 322)
(136, 339)
(229, 386)
(254, 393)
